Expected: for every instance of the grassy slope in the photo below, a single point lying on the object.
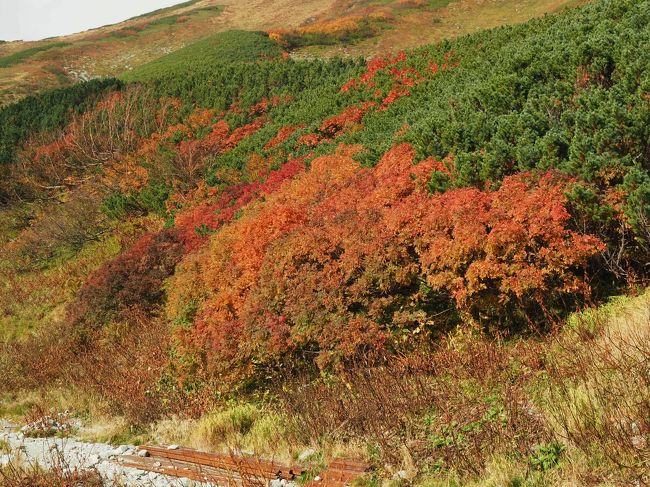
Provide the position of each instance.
(109, 50)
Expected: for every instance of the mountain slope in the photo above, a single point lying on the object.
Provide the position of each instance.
(310, 236)
(26, 67)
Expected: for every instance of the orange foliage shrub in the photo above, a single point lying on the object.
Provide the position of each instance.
(196, 224)
(181, 152)
(344, 261)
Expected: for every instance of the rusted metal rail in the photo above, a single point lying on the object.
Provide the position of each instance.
(235, 470)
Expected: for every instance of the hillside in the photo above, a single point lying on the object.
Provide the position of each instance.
(434, 259)
(26, 67)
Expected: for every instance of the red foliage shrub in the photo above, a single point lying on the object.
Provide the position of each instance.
(245, 131)
(131, 282)
(394, 94)
(334, 126)
(309, 140)
(337, 125)
(345, 261)
(195, 225)
(283, 134)
(403, 76)
(265, 104)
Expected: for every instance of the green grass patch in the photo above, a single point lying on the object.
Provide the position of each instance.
(241, 425)
(20, 56)
(592, 320)
(165, 10)
(15, 406)
(436, 4)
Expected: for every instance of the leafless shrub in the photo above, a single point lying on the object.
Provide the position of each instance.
(69, 224)
(123, 367)
(450, 406)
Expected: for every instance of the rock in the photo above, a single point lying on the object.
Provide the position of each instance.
(143, 453)
(172, 447)
(400, 474)
(106, 454)
(157, 464)
(92, 460)
(638, 442)
(318, 478)
(121, 450)
(306, 455)
(5, 460)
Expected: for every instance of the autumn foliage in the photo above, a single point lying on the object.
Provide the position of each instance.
(342, 262)
(129, 284)
(349, 28)
(369, 244)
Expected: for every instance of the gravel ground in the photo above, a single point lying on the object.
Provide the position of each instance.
(77, 454)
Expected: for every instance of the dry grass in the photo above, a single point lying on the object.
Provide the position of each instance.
(420, 26)
(96, 53)
(597, 399)
(470, 411)
(242, 427)
(20, 473)
(35, 298)
(443, 409)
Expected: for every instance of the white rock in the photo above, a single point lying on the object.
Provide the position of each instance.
(400, 474)
(92, 460)
(143, 453)
(121, 450)
(157, 464)
(318, 478)
(305, 455)
(172, 447)
(106, 454)
(5, 460)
